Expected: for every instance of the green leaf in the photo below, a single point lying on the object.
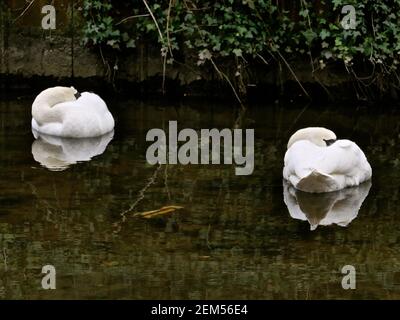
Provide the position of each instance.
(324, 34)
(131, 44)
(237, 52)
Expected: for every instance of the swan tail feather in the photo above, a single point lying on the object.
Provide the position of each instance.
(317, 182)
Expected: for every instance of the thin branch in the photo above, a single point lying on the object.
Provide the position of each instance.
(168, 20)
(303, 3)
(223, 75)
(149, 183)
(262, 58)
(293, 73)
(132, 17)
(154, 19)
(25, 10)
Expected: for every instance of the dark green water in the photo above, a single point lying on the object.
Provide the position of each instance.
(234, 238)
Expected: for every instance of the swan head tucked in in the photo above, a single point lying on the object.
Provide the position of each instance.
(319, 136)
(55, 95)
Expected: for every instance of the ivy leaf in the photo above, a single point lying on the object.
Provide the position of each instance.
(309, 35)
(324, 34)
(327, 54)
(303, 13)
(131, 44)
(125, 37)
(237, 52)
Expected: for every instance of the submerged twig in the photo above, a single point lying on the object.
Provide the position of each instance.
(157, 212)
(166, 181)
(149, 183)
(5, 259)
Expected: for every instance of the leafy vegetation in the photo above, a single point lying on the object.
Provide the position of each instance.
(245, 30)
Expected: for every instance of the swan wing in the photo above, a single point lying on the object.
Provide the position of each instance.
(323, 169)
(86, 117)
(51, 128)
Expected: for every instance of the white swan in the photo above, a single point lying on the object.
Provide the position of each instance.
(316, 162)
(338, 207)
(57, 154)
(64, 112)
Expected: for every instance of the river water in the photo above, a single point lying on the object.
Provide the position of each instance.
(235, 237)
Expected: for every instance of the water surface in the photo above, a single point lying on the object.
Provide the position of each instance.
(234, 237)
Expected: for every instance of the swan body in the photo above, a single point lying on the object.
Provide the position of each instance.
(63, 112)
(316, 162)
(338, 207)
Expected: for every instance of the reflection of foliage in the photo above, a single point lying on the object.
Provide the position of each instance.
(254, 29)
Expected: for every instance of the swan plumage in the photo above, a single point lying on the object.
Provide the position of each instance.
(316, 162)
(63, 112)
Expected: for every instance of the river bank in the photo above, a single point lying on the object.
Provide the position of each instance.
(33, 58)
(33, 62)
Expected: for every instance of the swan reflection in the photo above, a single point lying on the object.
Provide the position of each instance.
(338, 207)
(57, 154)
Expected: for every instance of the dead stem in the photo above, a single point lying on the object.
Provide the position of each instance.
(132, 17)
(154, 19)
(303, 3)
(167, 28)
(262, 58)
(293, 73)
(25, 10)
(224, 76)
(162, 41)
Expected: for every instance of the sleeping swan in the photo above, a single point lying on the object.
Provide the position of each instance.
(316, 162)
(64, 112)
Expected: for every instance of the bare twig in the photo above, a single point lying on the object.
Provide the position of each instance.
(25, 10)
(166, 181)
(140, 197)
(262, 59)
(132, 17)
(303, 3)
(154, 19)
(168, 20)
(293, 73)
(223, 75)
(162, 41)
(150, 182)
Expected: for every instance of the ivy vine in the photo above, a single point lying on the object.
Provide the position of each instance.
(242, 30)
